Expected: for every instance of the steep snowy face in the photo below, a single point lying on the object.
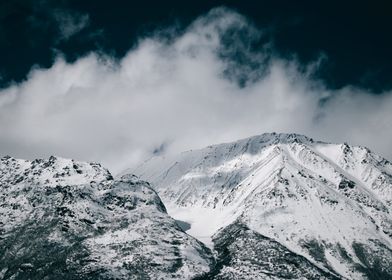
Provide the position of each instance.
(65, 219)
(331, 203)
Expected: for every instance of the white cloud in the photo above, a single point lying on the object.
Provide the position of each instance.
(174, 95)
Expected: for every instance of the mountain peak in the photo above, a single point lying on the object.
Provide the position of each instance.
(309, 196)
(54, 170)
(285, 137)
(272, 138)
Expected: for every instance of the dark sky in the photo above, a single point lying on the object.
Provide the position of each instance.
(354, 37)
(115, 81)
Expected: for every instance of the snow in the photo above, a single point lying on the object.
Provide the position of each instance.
(284, 186)
(204, 222)
(120, 225)
(117, 237)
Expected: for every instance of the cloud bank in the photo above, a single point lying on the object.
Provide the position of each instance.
(177, 92)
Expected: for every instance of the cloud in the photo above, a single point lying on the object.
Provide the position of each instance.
(167, 95)
(55, 17)
(69, 22)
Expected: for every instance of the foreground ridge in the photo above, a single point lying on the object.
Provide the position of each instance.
(62, 219)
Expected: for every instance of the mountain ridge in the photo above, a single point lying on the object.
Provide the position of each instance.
(287, 187)
(61, 218)
(272, 206)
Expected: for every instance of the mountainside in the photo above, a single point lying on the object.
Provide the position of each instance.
(62, 219)
(328, 206)
(274, 206)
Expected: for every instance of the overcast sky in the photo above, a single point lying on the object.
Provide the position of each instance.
(214, 78)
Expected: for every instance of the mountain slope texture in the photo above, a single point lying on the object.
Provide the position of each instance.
(62, 219)
(274, 206)
(282, 206)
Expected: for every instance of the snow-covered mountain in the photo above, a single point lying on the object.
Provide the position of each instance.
(274, 206)
(62, 219)
(283, 206)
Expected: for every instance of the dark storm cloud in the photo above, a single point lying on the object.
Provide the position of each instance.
(353, 35)
(166, 96)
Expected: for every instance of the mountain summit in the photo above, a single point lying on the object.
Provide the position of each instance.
(283, 206)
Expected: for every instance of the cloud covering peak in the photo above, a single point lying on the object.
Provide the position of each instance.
(203, 86)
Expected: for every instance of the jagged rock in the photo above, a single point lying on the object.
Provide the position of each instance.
(62, 219)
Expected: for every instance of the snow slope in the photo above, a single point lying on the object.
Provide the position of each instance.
(62, 219)
(330, 203)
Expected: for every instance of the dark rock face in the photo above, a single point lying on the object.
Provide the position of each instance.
(68, 226)
(246, 254)
(373, 259)
(374, 264)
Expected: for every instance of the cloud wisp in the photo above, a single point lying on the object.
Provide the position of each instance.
(69, 23)
(187, 92)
